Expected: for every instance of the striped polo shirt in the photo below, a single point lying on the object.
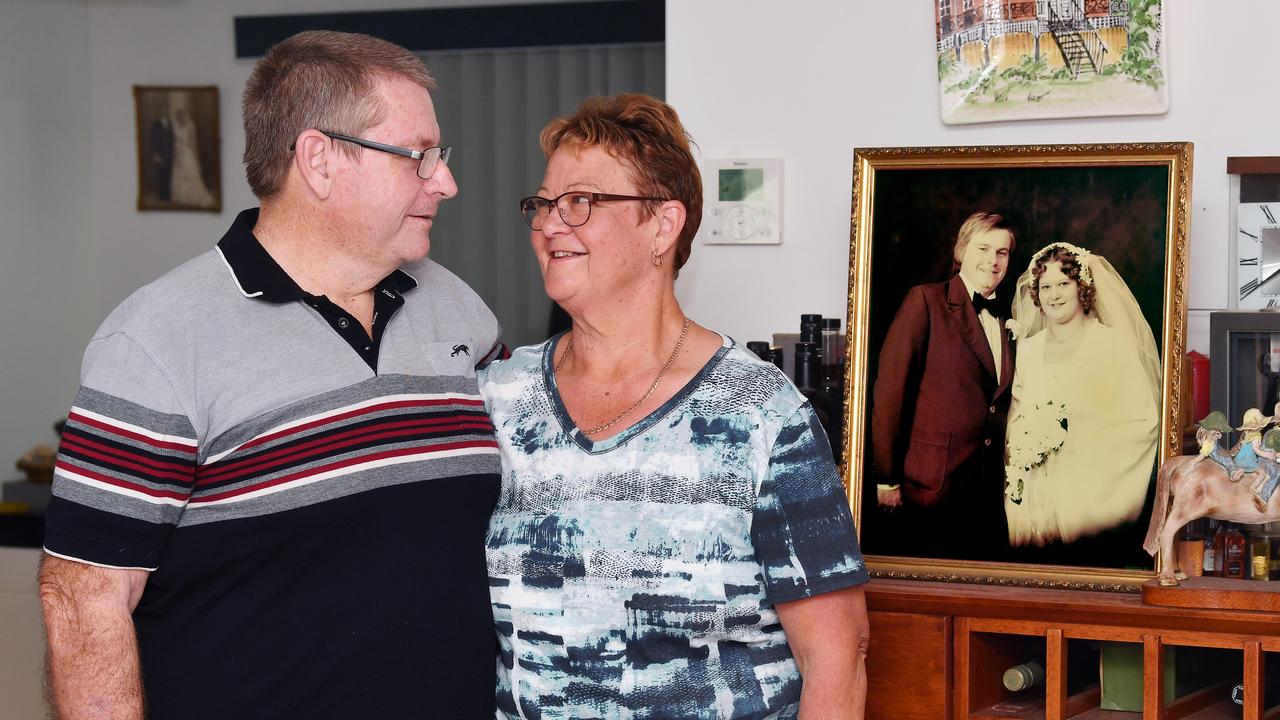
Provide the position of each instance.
(311, 503)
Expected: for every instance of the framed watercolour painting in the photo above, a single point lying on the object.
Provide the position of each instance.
(1019, 60)
(178, 148)
(1017, 322)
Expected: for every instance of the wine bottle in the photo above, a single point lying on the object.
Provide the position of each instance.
(811, 332)
(777, 358)
(813, 322)
(760, 348)
(807, 383)
(1025, 676)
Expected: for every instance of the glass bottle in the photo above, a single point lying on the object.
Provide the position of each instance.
(777, 358)
(1234, 554)
(807, 384)
(1023, 677)
(811, 332)
(1259, 554)
(1210, 545)
(760, 348)
(1273, 531)
(832, 356)
(1191, 549)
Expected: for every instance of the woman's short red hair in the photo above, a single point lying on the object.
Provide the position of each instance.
(646, 136)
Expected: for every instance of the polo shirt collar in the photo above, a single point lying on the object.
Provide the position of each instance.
(258, 275)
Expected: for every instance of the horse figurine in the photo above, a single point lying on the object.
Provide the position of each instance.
(1195, 486)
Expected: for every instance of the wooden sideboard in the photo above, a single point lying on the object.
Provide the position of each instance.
(938, 651)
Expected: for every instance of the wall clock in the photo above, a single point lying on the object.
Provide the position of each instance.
(1255, 232)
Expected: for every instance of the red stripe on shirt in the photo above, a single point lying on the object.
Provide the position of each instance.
(329, 445)
(83, 444)
(106, 427)
(393, 405)
(117, 482)
(417, 450)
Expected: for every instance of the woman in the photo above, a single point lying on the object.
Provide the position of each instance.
(672, 539)
(187, 186)
(1083, 422)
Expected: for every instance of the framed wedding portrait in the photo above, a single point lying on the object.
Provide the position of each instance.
(178, 148)
(1017, 323)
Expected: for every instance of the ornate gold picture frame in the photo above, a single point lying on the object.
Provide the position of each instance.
(929, 431)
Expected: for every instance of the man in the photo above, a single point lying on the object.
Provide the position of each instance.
(272, 492)
(160, 162)
(940, 401)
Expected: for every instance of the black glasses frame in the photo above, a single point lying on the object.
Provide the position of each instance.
(532, 207)
(422, 156)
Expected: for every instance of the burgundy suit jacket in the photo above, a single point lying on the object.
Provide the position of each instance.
(938, 414)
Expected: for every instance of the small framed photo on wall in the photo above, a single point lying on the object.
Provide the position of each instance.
(178, 148)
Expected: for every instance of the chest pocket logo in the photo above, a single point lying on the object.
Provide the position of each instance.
(450, 358)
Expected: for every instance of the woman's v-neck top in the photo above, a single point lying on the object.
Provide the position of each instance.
(637, 576)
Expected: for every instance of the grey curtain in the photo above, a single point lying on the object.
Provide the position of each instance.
(492, 105)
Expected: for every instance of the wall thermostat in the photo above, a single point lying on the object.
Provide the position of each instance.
(742, 202)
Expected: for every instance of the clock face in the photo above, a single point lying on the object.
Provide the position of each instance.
(1258, 255)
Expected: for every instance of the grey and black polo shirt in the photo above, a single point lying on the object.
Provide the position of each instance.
(311, 502)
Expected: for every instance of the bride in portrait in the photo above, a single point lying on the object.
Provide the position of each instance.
(187, 186)
(1084, 419)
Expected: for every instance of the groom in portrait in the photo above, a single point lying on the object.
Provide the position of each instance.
(940, 402)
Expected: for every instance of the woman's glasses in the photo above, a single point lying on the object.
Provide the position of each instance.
(574, 207)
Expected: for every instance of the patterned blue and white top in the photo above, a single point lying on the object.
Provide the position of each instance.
(636, 577)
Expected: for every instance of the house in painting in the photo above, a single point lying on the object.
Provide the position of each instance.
(1027, 59)
(1083, 36)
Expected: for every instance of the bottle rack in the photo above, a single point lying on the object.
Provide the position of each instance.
(985, 630)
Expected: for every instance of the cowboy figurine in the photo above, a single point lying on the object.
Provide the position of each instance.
(1212, 428)
(1252, 456)
(1263, 490)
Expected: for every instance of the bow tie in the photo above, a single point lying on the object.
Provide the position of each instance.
(991, 305)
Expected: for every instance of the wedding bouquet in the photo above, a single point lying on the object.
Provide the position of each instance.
(1040, 435)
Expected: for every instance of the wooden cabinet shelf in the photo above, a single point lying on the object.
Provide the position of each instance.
(938, 651)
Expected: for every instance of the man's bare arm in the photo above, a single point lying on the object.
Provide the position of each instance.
(92, 652)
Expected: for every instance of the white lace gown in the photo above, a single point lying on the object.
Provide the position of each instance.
(187, 186)
(1100, 475)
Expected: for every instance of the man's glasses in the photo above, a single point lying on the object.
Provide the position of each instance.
(574, 207)
(428, 160)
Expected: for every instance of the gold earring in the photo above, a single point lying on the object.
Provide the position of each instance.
(657, 259)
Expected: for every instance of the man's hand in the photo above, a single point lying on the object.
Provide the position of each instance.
(889, 498)
(93, 668)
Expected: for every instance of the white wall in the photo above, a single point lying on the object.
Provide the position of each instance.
(809, 81)
(46, 286)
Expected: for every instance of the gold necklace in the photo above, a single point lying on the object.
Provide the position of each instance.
(568, 348)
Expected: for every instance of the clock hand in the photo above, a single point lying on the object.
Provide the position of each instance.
(1253, 285)
(1268, 278)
